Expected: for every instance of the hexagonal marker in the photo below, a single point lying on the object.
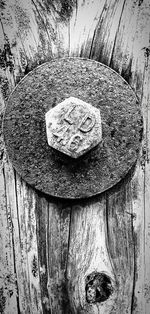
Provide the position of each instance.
(73, 127)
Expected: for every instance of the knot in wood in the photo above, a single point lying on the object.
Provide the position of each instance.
(98, 287)
(73, 127)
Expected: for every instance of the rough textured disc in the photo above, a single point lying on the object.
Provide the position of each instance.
(49, 170)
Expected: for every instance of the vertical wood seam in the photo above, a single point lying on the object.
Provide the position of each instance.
(146, 142)
(13, 247)
(69, 235)
(106, 235)
(48, 260)
(134, 255)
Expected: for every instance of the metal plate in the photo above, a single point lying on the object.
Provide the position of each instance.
(49, 170)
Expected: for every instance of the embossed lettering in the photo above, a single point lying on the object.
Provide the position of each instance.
(87, 123)
(75, 142)
(60, 133)
(68, 117)
(73, 127)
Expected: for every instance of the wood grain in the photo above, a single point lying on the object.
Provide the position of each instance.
(53, 221)
(48, 248)
(87, 253)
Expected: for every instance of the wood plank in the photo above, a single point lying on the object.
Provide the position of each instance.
(133, 39)
(28, 51)
(129, 58)
(146, 103)
(42, 221)
(137, 190)
(8, 280)
(53, 221)
(57, 255)
(121, 242)
(94, 247)
(22, 207)
(130, 39)
(116, 33)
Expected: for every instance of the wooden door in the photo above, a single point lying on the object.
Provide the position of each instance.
(52, 252)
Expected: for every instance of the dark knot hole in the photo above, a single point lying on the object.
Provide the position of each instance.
(98, 287)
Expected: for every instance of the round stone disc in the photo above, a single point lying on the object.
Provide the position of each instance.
(51, 171)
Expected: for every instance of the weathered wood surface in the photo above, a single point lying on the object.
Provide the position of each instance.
(48, 247)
